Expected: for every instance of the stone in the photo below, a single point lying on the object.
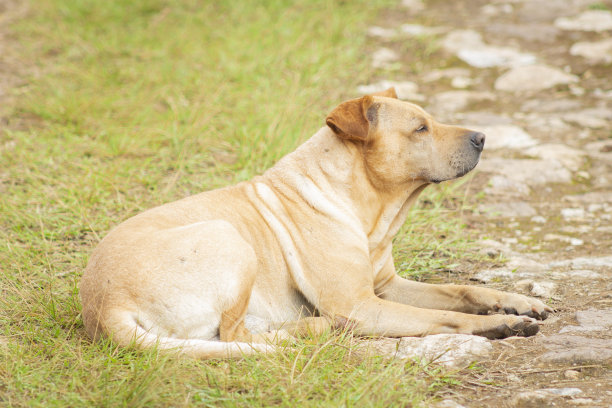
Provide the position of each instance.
(577, 274)
(573, 349)
(594, 197)
(582, 401)
(585, 262)
(531, 172)
(486, 56)
(532, 399)
(564, 392)
(566, 156)
(414, 6)
(438, 74)
(448, 403)
(563, 238)
(510, 209)
(420, 30)
(538, 289)
(532, 78)
(569, 214)
(499, 184)
(551, 106)
(505, 136)
(384, 57)
(530, 32)
(571, 374)
(492, 275)
(590, 20)
(469, 47)
(601, 150)
(451, 350)
(405, 90)
(381, 32)
(453, 101)
(538, 219)
(462, 82)
(593, 317)
(593, 118)
(596, 52)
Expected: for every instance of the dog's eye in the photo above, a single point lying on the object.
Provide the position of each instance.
(422, 128)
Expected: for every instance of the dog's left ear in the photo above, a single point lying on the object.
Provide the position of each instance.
(351, 119)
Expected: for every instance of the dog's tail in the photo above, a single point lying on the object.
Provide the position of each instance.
(123, 329)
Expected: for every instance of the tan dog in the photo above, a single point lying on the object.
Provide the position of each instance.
(310, 237)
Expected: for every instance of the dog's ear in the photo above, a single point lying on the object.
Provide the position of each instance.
(351, 119)
(389, 93)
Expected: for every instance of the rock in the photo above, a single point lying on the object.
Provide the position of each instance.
(538, 289)
(564, 392)
(597, 52)
(551, 105)
(438, 74)
(447, 403)
(566, 156)
(571, 349)
(492, 275)
(571, 374)
(451, 350)
(511, 209)
(593, 317)
(601, 150)
(572, 213)
(532, 399)
(487, 56)
(499, 184)
(505, 136)
(469, 47)
(538, 219)
(585, 262)
(405, 90)
(532, 78)
(453, 101)
(531, 172)
(384, 58)
(496, 9)
(381, 32)
(563, 238)
(579, 273)
(590, 20)
(414, 6)
(528, 32)
(582, 401)
(594, 118)
(420, 30)
(523, 264)
(595, 197)
(462, 82)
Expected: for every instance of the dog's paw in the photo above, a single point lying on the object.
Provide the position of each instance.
(513, 303)
(502, 326)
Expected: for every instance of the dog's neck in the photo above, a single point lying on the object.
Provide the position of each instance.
(340, 165)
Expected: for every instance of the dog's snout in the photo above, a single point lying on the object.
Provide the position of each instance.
(478, 139)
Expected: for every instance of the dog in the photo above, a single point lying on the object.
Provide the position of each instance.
(302, 248)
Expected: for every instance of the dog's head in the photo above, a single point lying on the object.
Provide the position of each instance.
(403, 143)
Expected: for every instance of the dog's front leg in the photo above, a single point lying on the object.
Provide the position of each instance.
(459, 298)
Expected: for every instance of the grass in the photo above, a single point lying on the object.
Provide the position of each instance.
(131, 104)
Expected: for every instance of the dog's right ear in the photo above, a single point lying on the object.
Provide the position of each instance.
(389, 93)
(350, 119)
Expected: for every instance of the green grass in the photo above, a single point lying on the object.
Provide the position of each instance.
(136, 103)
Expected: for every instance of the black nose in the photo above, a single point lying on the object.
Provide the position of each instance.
(477, 139)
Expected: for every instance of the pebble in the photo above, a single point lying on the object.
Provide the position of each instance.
(451, 350)
(508, 209)
(448, 403)
(405, 90)
(438, 74)
(420, 30)
(571, 374)
(384, 58)
(505, 136)
(597, 52)
(538, 289)
(590, 20)
(491, 275)
(499, 184)
(531, 172)
(381, 32)
(564, 392)
(568, 157)
(572, 213)
(531, 399)
(532, 78)
(453, 101)
(572, 349)
(585, 262)
(538, 219)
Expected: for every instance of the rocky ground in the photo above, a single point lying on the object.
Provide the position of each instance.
(534, 75)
